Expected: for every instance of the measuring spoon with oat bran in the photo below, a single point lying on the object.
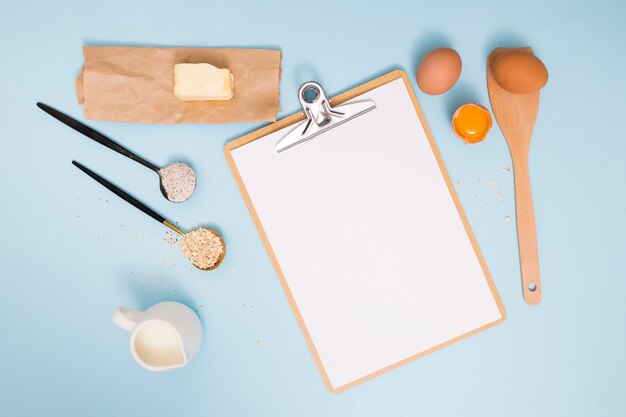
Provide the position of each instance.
(177, 180)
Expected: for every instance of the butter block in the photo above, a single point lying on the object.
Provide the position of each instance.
(202, 82)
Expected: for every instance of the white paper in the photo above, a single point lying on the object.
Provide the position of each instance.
(368, 238)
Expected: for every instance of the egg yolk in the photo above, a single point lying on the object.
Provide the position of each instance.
(471, 122)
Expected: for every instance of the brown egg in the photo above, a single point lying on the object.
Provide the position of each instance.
(519, 72)
(438, 71)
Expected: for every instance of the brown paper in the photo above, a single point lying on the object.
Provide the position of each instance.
(131, 84)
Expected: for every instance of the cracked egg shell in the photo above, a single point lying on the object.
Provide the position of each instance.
(471, 122)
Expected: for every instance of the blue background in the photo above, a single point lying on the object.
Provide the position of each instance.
(71, 252)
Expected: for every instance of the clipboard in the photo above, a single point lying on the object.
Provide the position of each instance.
(365, 231)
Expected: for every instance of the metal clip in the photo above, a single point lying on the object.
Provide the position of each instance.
(320, 115)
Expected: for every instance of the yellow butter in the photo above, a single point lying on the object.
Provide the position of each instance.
(201, 82)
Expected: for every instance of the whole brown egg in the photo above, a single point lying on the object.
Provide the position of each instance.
(438, 71)
(519, 72)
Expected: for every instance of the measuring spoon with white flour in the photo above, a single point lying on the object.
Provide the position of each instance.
(177, 180)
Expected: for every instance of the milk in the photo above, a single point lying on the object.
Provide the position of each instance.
(157, 344)
(165, 336)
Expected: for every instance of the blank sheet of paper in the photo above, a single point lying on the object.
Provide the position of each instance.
(368, 238)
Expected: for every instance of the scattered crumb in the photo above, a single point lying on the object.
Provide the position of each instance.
(490, 183)
(482, 202)
(258, 341)
(458, 183)
(507, 219)
(200, 307)
(232, 269)
(506, 169)
(499, 196)
(171, 238)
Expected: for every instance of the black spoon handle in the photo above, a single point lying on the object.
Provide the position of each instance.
(122, 194)
(95, 135)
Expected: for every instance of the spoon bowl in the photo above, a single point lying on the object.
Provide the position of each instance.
(183, 234)
(177, 182)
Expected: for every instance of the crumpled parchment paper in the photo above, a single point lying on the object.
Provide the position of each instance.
(136, 84)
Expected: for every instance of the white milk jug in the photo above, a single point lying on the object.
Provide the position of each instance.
(165, 336)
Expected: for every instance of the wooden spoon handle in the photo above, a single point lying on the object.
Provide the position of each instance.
(526, 233)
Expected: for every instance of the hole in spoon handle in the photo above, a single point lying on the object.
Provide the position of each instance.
(532, 292)
(527, 236)
(529, 257)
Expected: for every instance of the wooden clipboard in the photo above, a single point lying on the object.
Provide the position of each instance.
(496, 313)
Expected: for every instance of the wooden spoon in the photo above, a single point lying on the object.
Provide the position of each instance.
(516, 115)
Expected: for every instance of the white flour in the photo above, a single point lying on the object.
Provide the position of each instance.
(178, 180)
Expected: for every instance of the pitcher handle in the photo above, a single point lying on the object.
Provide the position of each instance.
(126, 318)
